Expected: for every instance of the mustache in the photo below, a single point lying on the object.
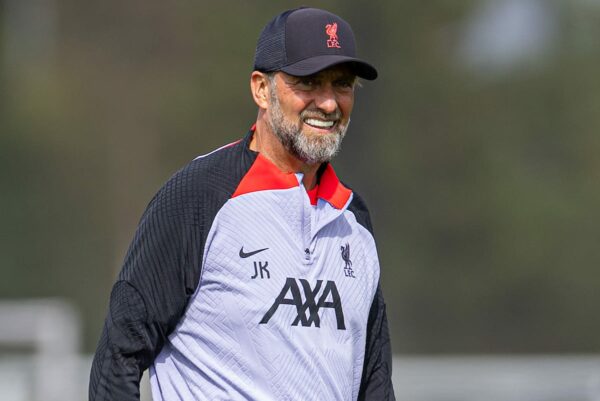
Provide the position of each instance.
(336, 115)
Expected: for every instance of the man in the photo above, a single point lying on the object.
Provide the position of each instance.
(253, 274)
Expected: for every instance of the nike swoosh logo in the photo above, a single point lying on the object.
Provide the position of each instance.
(248, 254)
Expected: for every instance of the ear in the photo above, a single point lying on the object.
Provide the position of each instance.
(259, 86)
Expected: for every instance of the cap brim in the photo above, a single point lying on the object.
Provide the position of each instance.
(315, 64)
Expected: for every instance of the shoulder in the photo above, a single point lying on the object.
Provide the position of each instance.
(211, 178)
(358, 207)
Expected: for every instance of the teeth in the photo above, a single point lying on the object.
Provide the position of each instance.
(319, 123)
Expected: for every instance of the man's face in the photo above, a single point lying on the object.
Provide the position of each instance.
(310, 114)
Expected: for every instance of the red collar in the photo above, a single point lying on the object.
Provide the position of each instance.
(313, 195)
(264, 175)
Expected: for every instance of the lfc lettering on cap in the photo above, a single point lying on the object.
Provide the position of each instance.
(331, 30)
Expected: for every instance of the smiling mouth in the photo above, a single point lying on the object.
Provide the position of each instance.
(320, 124)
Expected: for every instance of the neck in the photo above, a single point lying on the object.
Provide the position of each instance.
(266, 143)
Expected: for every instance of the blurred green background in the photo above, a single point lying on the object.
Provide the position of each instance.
(476, 151)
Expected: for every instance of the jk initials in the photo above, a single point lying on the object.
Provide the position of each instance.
(262, 269)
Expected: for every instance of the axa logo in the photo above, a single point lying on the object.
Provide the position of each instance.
(331, 30)
(315, 299)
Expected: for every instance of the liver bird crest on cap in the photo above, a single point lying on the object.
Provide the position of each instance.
(331, 30)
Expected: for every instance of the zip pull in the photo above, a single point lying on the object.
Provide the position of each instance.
(307, 254)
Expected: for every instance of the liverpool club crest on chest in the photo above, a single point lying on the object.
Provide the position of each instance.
(345, 250)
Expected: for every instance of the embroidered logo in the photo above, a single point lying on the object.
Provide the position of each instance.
(331, 30)
(244, 255)
(348, 272)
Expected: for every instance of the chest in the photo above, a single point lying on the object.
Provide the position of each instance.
(282, 263)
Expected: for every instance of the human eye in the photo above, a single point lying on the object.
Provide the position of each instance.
(345, 83)
(307, 83)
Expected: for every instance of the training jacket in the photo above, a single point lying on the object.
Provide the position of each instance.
(240, 285)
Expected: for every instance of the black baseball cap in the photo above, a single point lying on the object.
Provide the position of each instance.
(304, 41)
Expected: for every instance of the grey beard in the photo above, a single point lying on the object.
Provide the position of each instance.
(311, 149)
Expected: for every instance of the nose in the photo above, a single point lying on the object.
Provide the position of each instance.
(325, 99)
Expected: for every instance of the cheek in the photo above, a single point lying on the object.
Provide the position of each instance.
(293, 108)
(346, 105)
(292, 103)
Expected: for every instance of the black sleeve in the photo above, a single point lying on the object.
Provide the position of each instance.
(159, 274)
(162, 270)
(376, 381)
